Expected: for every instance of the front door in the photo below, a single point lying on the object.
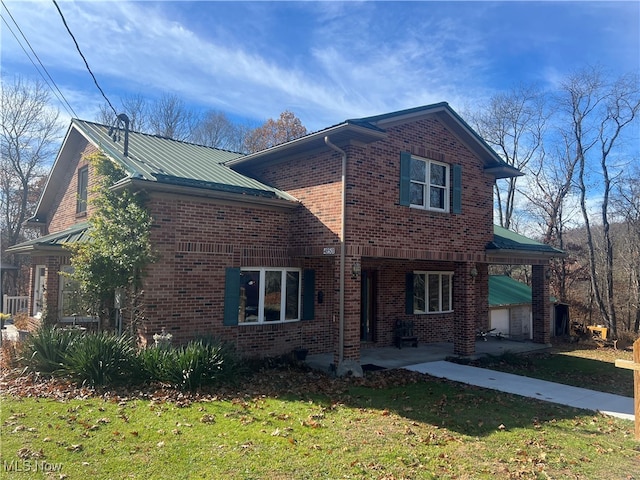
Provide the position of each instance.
(368, 309)
(38, 289)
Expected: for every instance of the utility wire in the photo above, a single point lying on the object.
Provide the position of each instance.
(83, 58)
(56, 91)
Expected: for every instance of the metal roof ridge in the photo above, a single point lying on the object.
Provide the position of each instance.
(160, 137)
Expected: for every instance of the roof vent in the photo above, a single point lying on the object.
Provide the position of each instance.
(114, 132)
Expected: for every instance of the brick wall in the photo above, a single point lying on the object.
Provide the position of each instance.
(379, 229)
(63, 211)
(196, 240)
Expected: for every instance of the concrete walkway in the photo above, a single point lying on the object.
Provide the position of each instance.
(430, 358)
(606, 403)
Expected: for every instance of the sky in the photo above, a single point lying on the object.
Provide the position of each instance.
(325, 61)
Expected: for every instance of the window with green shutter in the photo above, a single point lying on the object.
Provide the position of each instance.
(427, 184)
(262, 295)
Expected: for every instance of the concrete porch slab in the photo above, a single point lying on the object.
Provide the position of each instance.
(393, 357)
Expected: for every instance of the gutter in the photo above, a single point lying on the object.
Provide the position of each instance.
(343, 229)
(194, 191)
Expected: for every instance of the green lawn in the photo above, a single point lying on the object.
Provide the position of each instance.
(302, 425)
(583, 366)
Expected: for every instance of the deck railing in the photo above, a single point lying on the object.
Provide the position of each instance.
(14, 304)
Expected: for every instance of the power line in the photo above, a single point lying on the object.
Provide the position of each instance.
(56, 91)
(83, 58)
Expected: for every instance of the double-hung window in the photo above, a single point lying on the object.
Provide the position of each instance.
(269, 295)
(83, 186)
(70, 301)
(429, 188)
(432, 292)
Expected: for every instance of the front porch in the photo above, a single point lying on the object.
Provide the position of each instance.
(392, 357)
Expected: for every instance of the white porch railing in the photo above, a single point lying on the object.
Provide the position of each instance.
(13, 305)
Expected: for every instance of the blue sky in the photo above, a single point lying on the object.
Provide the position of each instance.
(325, 61)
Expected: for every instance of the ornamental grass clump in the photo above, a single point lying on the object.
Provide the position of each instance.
(102, 358)
(44, 351)
(197, 364)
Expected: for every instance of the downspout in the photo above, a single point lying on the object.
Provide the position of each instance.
(342, 248)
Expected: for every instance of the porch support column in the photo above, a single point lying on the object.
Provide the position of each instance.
(350, 364)
(464, 304)
(540, 304)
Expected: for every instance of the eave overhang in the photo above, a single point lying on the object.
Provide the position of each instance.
(494, 164)
(54, 243)
(342, 135)
(210, 190)
(508, 246)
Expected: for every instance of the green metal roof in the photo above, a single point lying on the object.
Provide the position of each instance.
(504, 290)
(371, 129)
(54, 241)
(504, 239)
(163, 160)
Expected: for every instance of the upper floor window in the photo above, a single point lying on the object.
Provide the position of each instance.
(83, 185)
(269, 295)
(429, 184)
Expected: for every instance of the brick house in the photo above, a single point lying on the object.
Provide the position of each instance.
(322, 242)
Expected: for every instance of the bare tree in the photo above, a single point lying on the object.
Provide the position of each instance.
(548, 187)
(274, 132)
(513, 123)
(134, 106)
(29, 135)
(627, 207)
(599, 112)
(169, 117)
(216, 130)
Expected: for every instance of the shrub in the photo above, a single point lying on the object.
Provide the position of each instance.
(44, 351)
(157, 363)
(101, 359)
(10, 355)
(199, 363)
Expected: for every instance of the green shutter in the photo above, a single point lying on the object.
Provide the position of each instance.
(231, 296)
(408, 304)
(405, 178)
(457, 188)
(308, 294)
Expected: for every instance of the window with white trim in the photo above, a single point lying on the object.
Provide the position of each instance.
(269, 295)
(83, 187)
(432, 292)
(70, 305)
(429, 188)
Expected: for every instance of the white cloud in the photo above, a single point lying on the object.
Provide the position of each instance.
(335, 61)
